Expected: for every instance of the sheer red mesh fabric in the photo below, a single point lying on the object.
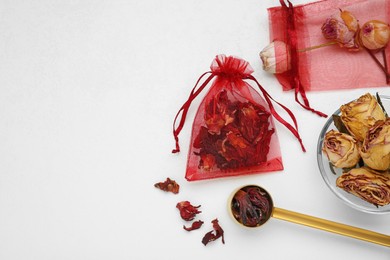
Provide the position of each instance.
(330, 67)
(233, 132)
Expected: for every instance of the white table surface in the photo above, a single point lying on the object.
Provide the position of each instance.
(88, 93)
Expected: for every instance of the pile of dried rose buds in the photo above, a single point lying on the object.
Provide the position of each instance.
(361, 147)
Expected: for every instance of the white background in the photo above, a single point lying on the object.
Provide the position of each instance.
(88, 93)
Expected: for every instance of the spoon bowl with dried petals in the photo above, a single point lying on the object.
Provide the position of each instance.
(252, 206)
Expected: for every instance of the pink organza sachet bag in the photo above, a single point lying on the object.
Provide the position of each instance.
(331, 66)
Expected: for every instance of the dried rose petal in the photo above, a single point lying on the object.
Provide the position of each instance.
(187, 211)
(213, 235)
(195, 225)
(168, 185)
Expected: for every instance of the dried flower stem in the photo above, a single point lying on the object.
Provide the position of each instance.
(385, 63)
(384, 68)
(317, 46)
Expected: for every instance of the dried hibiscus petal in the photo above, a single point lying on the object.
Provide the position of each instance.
(187, 211)
(195, 225)
(219, 113)
(251, 206)
(216, 233)
(168, 185)
(236, 134)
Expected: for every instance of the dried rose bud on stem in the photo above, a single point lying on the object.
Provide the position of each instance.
(343, 29)
(374, 36)
(276, 57)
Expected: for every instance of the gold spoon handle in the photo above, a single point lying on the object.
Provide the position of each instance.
(331, 226)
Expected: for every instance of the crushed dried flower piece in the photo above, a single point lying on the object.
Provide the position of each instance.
(216, 233)
(168, 185)
(187, 211)
(195, 225)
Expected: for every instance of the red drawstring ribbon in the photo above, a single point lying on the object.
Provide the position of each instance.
(292, 42)
(268, 99)
(196, 91)
(184, 109)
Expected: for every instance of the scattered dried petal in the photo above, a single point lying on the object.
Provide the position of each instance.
(187, 211)
(195, 225)
(168, 185)
(216, 233)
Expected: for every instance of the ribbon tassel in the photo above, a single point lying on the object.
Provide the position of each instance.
(268, 98)
(184, 109)
(292, 42)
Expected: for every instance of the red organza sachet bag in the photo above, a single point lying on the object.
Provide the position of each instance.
(233, 131)
(334, 66)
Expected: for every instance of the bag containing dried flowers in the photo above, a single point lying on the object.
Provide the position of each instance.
(233, 131)
(327, 45)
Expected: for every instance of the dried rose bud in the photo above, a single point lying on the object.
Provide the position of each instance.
(366, 184)
(375, 150)
(168, 185)
(361, 114)
(342, 27)
(195, 225)
(276, 57)
(374, 34)
(213, 235)
(187, 211)
(341, 149)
